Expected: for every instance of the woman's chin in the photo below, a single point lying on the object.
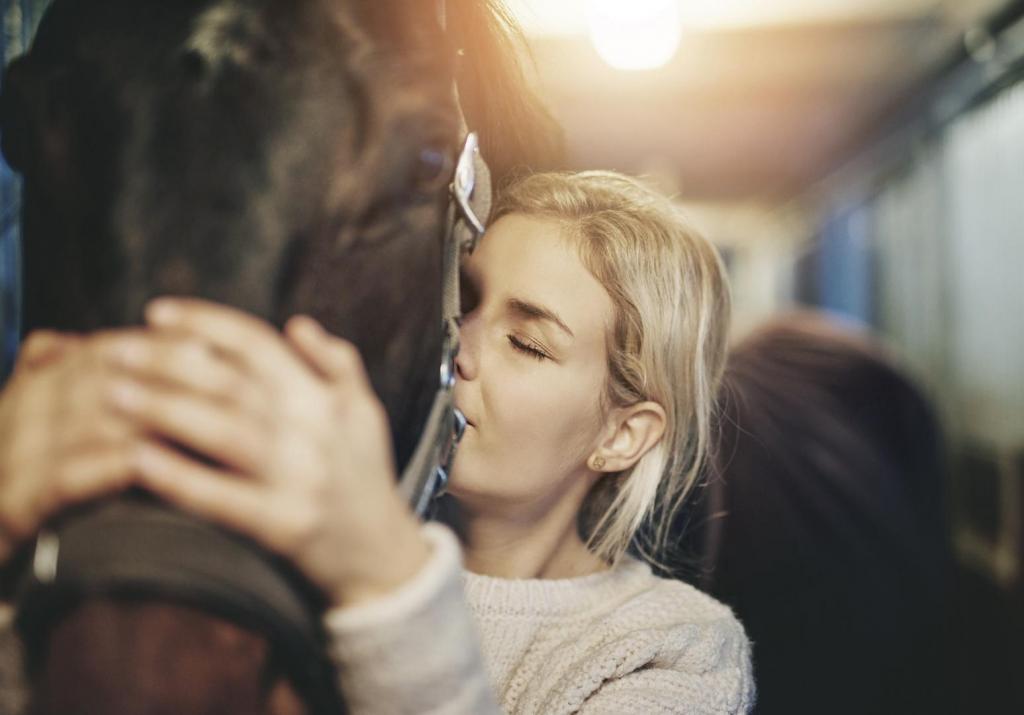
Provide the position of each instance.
(457, 486)
(477, 482)
(465, 490)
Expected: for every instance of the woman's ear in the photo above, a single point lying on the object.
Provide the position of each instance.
(630, 432)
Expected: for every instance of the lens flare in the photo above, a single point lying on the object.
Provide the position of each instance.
(634, 34)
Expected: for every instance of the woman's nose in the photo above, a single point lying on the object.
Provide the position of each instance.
(466, 360)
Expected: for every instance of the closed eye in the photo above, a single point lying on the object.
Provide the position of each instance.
(527, 348)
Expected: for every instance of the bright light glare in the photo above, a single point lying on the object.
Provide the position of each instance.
(634, 34)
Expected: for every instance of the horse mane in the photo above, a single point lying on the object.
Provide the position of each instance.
(517, 132)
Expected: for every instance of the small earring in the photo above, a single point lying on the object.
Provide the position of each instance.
(597, 464)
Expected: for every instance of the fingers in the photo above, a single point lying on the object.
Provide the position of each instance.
(202, 490)
(90, 475)
(60, 442)
(332, 357)
(173, 361)
(245, 339)
(41, 346)
(236, 438)
(87, 475)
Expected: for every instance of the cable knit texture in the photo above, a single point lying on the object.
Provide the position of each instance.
(615, 643)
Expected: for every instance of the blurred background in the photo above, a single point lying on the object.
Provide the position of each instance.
(864, 157)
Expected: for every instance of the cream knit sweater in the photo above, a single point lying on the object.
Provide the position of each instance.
(615, 643)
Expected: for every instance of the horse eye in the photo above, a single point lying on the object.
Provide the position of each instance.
(433, 169)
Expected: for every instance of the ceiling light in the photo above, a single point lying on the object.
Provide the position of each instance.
(634, 34)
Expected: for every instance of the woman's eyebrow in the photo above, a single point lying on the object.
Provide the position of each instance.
(533, 311)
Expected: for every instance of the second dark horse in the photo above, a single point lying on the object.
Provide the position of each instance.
(282, 156)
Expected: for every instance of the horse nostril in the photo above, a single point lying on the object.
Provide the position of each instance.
(193, 65)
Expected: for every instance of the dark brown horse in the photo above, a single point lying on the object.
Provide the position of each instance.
(282, 156)
(824, 527)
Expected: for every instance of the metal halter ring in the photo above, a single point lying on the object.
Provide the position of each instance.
(463, 186)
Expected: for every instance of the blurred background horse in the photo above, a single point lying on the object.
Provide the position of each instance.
(280, 156)
(824, 523)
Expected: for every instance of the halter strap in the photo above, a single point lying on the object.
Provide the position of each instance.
(426, 475)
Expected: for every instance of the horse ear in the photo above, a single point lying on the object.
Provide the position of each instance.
(408, 25)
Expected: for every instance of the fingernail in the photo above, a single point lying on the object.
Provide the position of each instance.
(162, 312)
(306, 325)
(313, 329)
(126, 394)
(300, 328)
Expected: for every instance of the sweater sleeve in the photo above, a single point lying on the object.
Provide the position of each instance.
(415, 650)
(715, 681)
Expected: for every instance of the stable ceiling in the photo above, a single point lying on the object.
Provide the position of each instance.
(763, 96)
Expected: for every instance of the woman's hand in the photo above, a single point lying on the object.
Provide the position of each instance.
(60, 442)
(295, 447)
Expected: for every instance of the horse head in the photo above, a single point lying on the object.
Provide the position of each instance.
(280, 156)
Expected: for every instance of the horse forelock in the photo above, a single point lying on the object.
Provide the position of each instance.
(218, 29)
(264, 113)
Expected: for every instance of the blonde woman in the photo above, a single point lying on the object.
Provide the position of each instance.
(592, 343)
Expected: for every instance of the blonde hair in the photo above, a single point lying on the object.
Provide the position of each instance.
(667, 344)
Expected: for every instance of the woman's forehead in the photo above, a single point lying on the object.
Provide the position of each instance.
(531, 244)
(533, 259)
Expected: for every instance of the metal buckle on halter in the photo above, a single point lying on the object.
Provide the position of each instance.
(453, 432)
(425, 477)
(440, 485)
(449, 351)
(463, 186)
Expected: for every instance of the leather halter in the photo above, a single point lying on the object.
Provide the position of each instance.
(426, 475)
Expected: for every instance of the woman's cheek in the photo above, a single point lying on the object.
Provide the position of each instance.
(553, 420)
(511, 437)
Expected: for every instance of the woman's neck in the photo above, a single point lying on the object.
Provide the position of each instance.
(549, 546)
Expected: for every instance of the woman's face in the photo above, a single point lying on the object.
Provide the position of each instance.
(532, 369)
